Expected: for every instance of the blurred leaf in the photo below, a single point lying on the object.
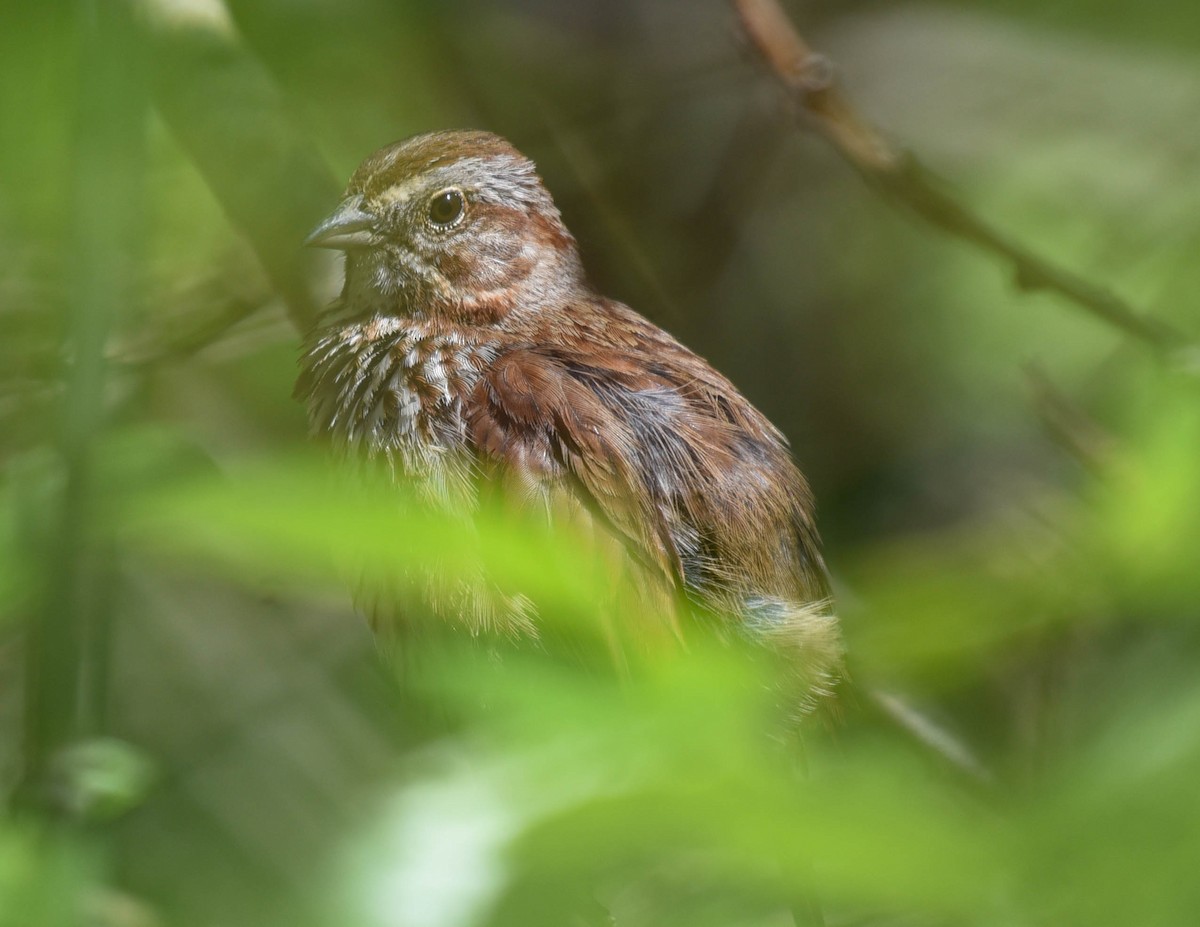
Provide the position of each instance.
(44, 880)
(1148, 515)
(101, 778)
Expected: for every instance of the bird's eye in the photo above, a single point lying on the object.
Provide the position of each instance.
(447, 207)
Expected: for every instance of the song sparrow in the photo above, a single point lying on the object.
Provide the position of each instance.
(468, 350)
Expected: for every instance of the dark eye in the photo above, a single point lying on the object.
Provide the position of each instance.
(446, 207)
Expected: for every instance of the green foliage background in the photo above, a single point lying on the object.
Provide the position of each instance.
(195, 727)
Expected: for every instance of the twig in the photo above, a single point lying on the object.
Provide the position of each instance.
(1068, 424)
(198, 331)
(934, 737)
(809, 79)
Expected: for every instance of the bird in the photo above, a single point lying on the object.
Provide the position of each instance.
(469, 351)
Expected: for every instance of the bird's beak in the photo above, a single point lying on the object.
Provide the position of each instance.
(349, 227)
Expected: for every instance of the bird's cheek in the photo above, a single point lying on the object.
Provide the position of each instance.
(458, 267)
(489, 265)
(378, 272)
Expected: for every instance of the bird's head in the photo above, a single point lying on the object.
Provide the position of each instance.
(454, 223)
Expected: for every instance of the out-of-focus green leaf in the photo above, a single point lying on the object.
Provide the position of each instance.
(44, 880)
(1147, 520)
(101, 778)
(306, 521)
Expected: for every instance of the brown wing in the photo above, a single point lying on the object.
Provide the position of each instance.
(667, 454)
(692, 479)
(536, 415)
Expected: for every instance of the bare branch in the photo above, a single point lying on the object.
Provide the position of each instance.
(934, 737)
(1068, 424)
(809, 79)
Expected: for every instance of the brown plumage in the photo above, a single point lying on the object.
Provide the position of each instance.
(469, 351)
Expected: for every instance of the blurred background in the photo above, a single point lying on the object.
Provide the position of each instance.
(197, 729)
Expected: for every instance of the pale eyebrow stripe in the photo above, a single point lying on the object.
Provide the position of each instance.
(399, 193)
